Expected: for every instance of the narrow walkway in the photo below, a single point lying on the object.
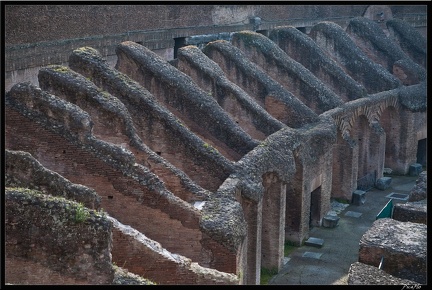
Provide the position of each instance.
(329, 264)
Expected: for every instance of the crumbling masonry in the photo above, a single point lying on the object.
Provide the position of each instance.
(197, 170)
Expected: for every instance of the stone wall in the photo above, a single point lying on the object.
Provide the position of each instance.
(363, 274)
(257, 122)
(116, 189)
(165, 148)
(163, 137)
(269, 94)
(88, 20)
(177, 91)
(305, 51)
(158, 27)
(22, 170)
(65, 242)
(343, 50)
(140, 255)
(293, 76)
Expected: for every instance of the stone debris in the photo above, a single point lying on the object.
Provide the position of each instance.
(362, 274)
(415, 212)
(337, 207)
(402, 244)
(419, 191)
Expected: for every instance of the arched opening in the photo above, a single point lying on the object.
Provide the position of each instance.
(389, 120)
(422, 152)
(344, 168)
(179, 42)
(315, 208)
(371, 153)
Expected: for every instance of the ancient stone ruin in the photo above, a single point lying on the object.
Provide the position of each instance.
(393, 250)
(197, 170)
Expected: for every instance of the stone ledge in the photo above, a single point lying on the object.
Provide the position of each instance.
(362, 274)
(414, 212)
(402, 244)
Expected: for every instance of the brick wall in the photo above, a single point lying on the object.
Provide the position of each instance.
(117, 191)
(145, 257)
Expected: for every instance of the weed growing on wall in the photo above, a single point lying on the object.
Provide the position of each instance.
(81, 213)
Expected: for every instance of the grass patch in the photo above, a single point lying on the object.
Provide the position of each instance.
(342, 200)
(267, 274)
(289, 247)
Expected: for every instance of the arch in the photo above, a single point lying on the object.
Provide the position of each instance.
(344, 167)
(371, 151)
(401, 140)
(389, 120)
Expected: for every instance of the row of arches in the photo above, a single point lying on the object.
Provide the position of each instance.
(288, 209)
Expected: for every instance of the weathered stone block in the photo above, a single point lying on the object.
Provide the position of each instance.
(402, 244)
(419, 191)
(358, 197)
(411, 212)
(383, 183)
(362, 274)
(330, 221)
(415, 169)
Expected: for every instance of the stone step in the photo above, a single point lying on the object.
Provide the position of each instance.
(314, 242)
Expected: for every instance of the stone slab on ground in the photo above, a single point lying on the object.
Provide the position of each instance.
(362, 274)
(312, 255)
(354, 214)
(402, 244)
(314, 242)
(414, 212)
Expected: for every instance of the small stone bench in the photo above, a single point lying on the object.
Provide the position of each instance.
(383, 183)
(362, 274)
